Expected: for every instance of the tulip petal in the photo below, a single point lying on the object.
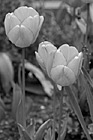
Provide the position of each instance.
(23, 12)
(7, 23)
(32, 24)
(13, 21)
(43, 54)
(64, 49)
(39, 27)
(72, 53)
(13, 35)
(25, 38)
(45, 48)
(48, 46)
(49, 63)
(59, 59)
(29, 23)
(40, 61)
(69, 74)
(10, 22)
(75, 64)
(62, 75)
(32, 12)
(57, 72)
(36, 20)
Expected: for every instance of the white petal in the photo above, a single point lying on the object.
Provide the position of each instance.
(48, 46)
(44, 49)
(32, 24)
(39, 27)
(29, 23)
(49, 63)
(72, 53)
(21, 13)
(57, 73)
(13, 35)
(64, 49)
(7, 23)
(25, 38)
(40, 61)
(59, 59)
(32, 12)
(10, 22)
(69, 74)
(43, 54)
(75, 64)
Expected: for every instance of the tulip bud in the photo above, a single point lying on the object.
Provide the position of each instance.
(22, 26)
(62, 65)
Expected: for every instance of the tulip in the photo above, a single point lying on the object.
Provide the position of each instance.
(22, 26)
(62, 65)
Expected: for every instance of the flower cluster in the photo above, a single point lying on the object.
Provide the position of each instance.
(62, 65)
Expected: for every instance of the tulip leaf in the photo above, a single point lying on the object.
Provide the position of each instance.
(20, 115)
(31, 129)
(46, 84)
(23, 132)
(77, 110)
(87, 76)
(16, 98)
(42, 128)
(89, 96)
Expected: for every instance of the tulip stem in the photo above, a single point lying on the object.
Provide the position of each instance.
(60, 114)
(54, 112)
(23, 81)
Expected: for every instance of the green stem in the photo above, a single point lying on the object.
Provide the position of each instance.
(23, 82)
(54, 112)
(60, 114)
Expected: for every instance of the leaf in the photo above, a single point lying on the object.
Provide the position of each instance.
(17, 94)
(2, 113)
(42, 128)
(31, 129)
(87, 76)
(20, 115)
(77, 110)
(23, 132)
(41, 77)
(6, 71)
(89, 96)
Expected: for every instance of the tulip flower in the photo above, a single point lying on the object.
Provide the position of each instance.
(62, 65)
(22, 26)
